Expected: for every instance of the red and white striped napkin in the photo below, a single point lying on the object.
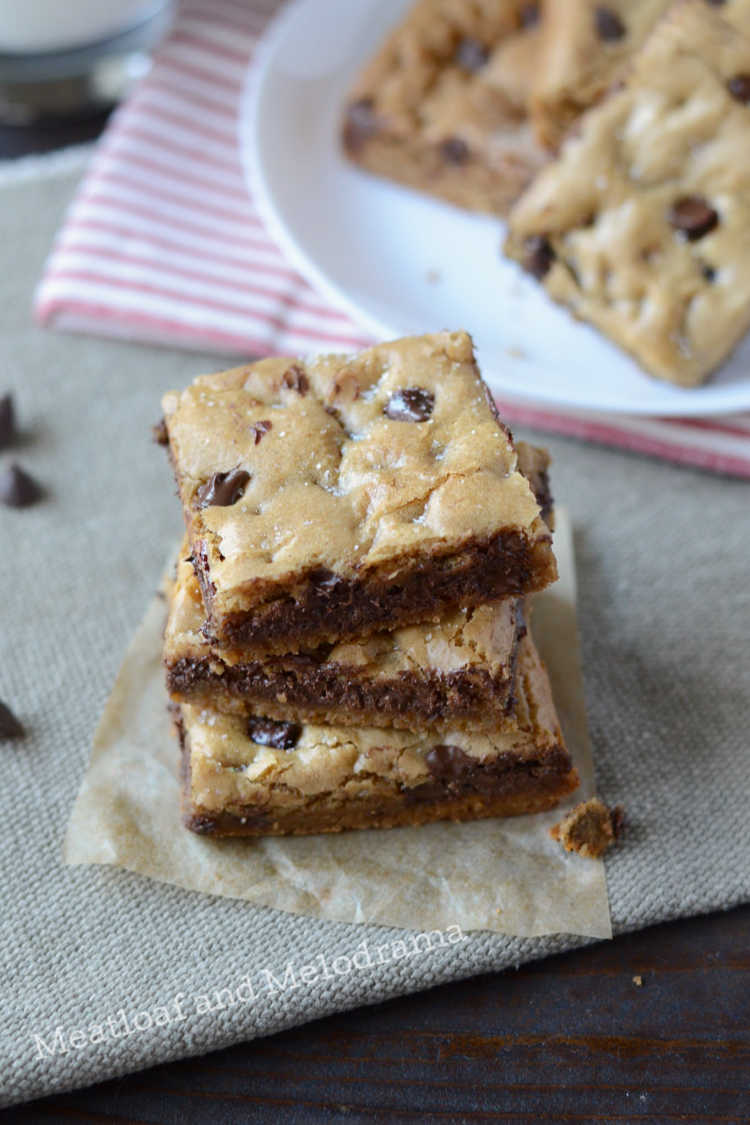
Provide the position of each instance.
(163, 244)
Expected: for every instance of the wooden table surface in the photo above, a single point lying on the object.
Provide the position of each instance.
(572, 1038)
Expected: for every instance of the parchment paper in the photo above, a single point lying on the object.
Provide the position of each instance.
(505, 875)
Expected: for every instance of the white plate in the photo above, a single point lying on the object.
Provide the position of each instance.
(401, 263)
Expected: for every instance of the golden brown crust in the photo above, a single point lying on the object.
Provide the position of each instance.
(537, 796)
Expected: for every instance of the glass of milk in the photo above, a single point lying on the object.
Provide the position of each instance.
(72, 57)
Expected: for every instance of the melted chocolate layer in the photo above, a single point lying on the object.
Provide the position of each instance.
(328, 605)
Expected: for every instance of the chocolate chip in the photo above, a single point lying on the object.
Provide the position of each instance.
(360, 124)
(7, 421)
(609, 26)
(709, 273)
(470, 54)
(739, 88)
(448, 763)
(693, 216)
(203, 825)
(539, 256)
(454, 769)
(295, 379)
(529, 15)
(413, 404)
(159, 432)
(223, 489)
(325, 581)
(17, 488)
(454, 150)
(259, 428)
(10, 727)
(267, 732)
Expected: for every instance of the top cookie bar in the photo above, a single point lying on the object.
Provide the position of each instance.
(339, 496)
(642, 226)
(442, 105)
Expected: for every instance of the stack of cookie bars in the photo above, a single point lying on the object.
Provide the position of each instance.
(347, 643)
(624, 128)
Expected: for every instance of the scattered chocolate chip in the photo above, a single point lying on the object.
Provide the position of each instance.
(529, 15)
(539, 256)
(739, 88)
(413, 404)
(259, 428)
(10, 727)
(223, 489)
(609, 26)
(470, 54)
(360, 124)
(454, 150)
(709, 273)
(159, 432)
(268, 732)
(295, 379)
(7, 421)
(17, 488)
(693, 216)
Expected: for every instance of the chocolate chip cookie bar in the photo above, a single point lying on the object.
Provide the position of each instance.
(332, 498)
(642, 225)
(257, 777)
(442, 105)
(456, 673)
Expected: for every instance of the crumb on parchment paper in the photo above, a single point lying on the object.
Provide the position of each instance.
(589, 829)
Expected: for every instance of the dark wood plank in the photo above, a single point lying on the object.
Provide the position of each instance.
(572, 1038)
